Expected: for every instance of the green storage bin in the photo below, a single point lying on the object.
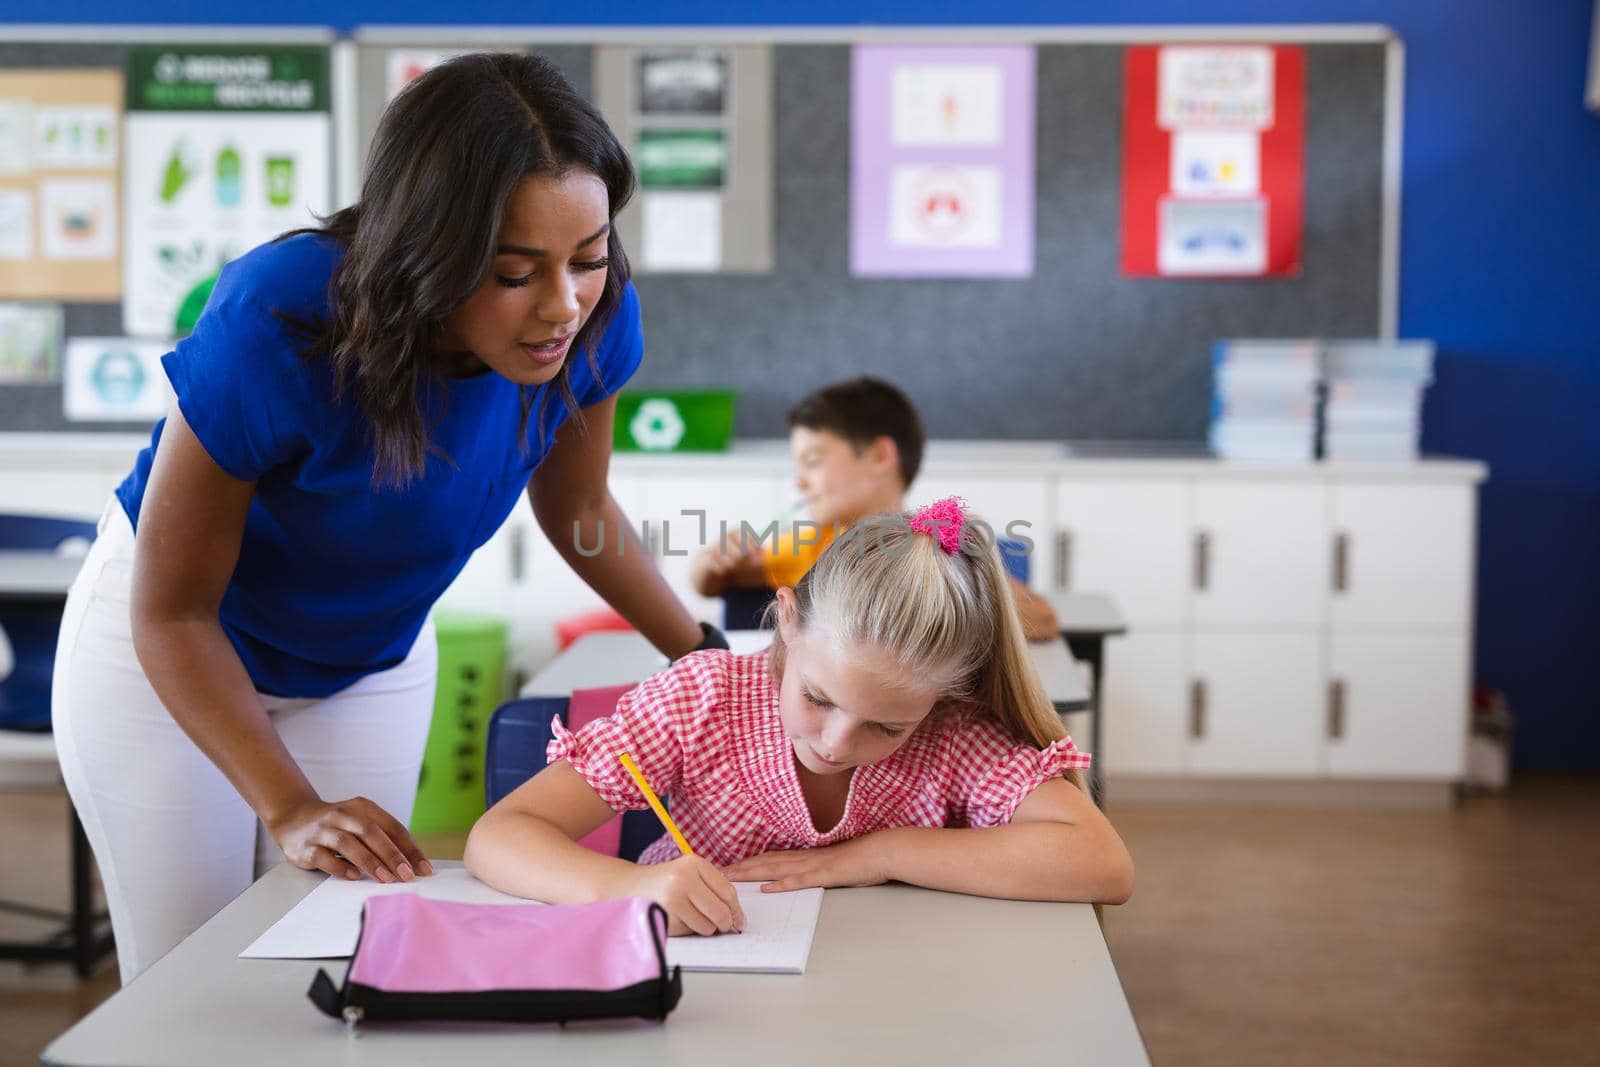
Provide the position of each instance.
(472, 664)
(678, 420)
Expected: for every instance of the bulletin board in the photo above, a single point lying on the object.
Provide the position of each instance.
(1074, 349)
(95, 118)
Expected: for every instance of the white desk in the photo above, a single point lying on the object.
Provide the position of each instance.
(1086, 620)
(896, 975)
(603, 659)
(36, 582)
(36, 575)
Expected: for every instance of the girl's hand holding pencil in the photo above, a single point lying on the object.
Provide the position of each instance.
(698, 898)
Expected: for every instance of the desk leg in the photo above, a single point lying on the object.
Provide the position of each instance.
(1091, 649)
(88, 944)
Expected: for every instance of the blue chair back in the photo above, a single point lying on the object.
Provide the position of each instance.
(518, 733)
(1014, 554)
(32, 628)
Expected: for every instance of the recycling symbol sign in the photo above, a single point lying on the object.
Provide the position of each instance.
(657, 426)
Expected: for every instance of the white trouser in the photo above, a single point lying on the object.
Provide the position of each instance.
(173, 840)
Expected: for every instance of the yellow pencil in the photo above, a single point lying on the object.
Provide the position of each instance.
(655, 803)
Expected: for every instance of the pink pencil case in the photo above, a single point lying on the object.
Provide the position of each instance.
(417, 958)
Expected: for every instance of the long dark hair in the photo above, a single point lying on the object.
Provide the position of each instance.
(448, 153)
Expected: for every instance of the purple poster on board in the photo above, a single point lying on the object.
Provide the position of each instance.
(941, 181)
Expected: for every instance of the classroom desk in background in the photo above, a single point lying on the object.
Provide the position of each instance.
(37, 581)
(1086, 620)
(896, 975)
(36, 577)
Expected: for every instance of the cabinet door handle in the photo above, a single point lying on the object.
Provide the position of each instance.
(1336, 709)
(1202, 559)
(1341, 562)
(1064, 559)
(518, 545)
(1197, 708)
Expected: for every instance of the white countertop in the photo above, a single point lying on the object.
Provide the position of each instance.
(1090, 459)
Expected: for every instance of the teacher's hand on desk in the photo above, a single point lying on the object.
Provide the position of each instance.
(347, 839)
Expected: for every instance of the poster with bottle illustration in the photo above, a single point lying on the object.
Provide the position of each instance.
(227, 148)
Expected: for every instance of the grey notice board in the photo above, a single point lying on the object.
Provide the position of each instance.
(1075, 351)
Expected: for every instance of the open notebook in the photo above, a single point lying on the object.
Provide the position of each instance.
(777, 939)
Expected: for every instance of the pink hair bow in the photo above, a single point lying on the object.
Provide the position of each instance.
(943, 520)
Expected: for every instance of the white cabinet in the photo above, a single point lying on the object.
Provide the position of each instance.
(1129, 537)
(1256, 705)
(1145, 714)
(490, 582)
(673, 503)
(1285, 620)
(1402, 555)
(550, 589)
(1260, 553)
(1397, 704)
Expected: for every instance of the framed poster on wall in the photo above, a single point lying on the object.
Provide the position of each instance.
(228, 147)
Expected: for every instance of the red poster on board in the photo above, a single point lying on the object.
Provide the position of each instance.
(1213, 158)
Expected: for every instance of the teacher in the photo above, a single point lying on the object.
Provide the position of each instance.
(246, 667)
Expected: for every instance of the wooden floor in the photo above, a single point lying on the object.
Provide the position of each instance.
(1466, 937)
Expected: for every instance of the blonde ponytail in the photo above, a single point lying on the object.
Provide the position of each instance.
(946, 617)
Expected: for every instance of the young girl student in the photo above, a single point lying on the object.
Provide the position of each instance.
(895, 730)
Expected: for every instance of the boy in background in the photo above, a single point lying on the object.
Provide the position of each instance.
(857, 446)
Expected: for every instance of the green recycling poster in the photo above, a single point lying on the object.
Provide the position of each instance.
(227, 147)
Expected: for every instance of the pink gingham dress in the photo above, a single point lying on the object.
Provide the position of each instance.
(706, 732)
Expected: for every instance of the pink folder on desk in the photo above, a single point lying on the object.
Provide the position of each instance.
(584, 707)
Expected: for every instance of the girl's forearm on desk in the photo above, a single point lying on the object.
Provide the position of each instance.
(526, 856)
(1020, 861)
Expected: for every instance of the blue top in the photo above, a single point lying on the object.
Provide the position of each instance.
(335, 577)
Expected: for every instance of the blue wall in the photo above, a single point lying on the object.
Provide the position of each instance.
(1500, 263)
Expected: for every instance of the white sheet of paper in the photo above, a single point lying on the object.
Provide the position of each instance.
(70, 137)
(114, 379)
(945, 104)
(324, 925)
(682, 231)
(406, 65)
(776, 938)
(1228, 87)
(79, 218)
(1216, 163)
(16, 136)
(16, 222)
(1214, 237)
(944, 206)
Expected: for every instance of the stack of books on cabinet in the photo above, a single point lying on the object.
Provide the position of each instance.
(1299, 399)
(1374, 398)
(1264, 399)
